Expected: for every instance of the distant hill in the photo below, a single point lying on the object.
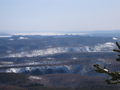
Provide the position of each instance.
(60, 62)
(35, 45)
(103, 33)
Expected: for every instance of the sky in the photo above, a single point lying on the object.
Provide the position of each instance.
(59, 15)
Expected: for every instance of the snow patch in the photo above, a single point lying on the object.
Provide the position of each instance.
(23, 38)
(11, 39)
(74, 58)
(6, 63)
(115, 38)
(109, 46)
(50, 58)
(14, 70)
(106, 70)
(35, 77)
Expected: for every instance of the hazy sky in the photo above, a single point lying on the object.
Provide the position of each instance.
(59, 15)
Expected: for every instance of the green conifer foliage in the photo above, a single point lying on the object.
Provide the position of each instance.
(115, 76)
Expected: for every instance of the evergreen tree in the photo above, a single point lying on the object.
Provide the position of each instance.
(115, 76)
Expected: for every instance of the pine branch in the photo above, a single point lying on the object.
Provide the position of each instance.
(118, 45)
(116, 50)
(115, 75)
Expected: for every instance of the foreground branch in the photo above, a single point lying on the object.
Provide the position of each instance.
(115, 76)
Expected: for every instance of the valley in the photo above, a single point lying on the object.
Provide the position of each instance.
(64, 61)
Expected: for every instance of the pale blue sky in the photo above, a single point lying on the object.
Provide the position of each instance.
(59, 15)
